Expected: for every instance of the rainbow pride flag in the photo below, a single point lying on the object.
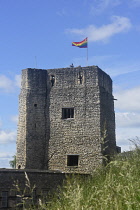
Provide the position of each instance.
(82, 44)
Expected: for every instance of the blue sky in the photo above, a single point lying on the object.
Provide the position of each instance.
(39, 33)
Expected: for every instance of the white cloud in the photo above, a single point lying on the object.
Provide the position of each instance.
(9, 85)
(99, 6)
(103, 33)
(5, 155)
(4, 162)
(7, 137)
(18, 80)
(128, 100)
(121, 68)
(6, 84)
(128, 119)
(125, 136)
(15, 118)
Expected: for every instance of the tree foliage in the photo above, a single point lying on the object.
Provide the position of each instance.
(13, 162)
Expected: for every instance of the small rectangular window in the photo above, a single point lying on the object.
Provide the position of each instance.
(4, 199)
(67, 113)
(72, 160)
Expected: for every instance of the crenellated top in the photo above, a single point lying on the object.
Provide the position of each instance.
(39, 79)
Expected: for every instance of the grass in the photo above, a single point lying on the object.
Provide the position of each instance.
(114, 187)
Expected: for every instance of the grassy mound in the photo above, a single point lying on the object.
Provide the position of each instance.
(117, 186)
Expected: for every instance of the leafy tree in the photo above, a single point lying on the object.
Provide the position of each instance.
(13, 162)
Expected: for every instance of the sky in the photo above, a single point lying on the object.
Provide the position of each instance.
(39, 34)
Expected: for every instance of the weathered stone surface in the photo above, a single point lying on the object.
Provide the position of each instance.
(27, 186)
(45, 139)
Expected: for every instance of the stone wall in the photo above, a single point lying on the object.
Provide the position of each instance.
(41, 183)
(79, 135)
(32, 138)
(47, 139)
(107, 115)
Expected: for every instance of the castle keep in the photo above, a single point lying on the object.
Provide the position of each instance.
(66, 119)
(66, 125)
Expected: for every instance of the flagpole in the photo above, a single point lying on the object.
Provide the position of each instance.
(82, 44)
(87, 51)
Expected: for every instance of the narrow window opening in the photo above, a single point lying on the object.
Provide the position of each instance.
(19, 166)
(67, 113)
(35, 105)
(72, 160)
(52, 80)
(80, 78)
(4, 199)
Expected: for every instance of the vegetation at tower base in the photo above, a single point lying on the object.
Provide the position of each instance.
(13, 162)
(115, 186)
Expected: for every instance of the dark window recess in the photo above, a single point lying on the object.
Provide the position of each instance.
(35, 105)
(67, 113)
(80, 78)
(72, 160)
(19, 166)
(4, 201)
(52, 80)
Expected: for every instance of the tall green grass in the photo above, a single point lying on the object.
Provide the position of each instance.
(114, 187)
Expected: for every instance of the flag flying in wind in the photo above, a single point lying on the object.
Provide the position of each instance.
(82, 44)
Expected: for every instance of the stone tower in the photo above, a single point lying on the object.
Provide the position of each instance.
(66, 119)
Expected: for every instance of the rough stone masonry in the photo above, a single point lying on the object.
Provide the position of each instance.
(66, 119)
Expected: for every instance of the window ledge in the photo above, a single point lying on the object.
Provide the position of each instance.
(67, 119)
